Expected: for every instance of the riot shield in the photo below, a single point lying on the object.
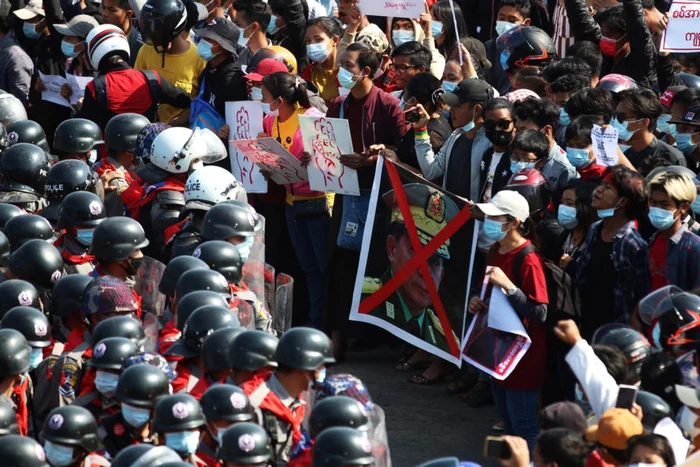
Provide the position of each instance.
(269, 288)
(150, 329)
(379, 438)
(254, 270)
(284, 298)
(245, 312)
(147, 279)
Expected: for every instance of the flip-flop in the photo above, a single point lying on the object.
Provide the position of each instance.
(405, 365)
(421, 380)
(478, 397)
(462, 384)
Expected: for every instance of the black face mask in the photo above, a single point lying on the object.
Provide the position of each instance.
(133, 266)
(499, 137)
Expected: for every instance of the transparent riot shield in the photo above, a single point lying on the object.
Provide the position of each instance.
(245, 313)
(147, 279)
(150, 329)
(379, 438)
(254, 267)
(270, 286)
(284, 298)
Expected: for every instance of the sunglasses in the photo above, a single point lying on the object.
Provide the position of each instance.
(503, 124)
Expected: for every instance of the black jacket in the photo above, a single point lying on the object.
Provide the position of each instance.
(223, 84)
(500, 178)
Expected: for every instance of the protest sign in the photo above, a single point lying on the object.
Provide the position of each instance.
(245, 121)
(270, 155)
(392, 8)
(605, 145)
(53, 85)
(326, 139)
(412, 275)
(77, 84)
(682, 33)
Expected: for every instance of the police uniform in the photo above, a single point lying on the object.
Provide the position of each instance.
(431, 212)
(29, 202)
(75, 258)
(112, 199)
(116, 434)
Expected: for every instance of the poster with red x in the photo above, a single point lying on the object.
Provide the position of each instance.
(414, 262)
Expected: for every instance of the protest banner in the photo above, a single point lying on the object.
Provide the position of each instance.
(682, 33)
(326, 139)
(77, 84)
(54, 83)
(270, 155)
(605, 141)
(245, 121)
(392, 8)
(413, 269)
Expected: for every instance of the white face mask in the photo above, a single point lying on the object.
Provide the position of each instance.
(92, 158)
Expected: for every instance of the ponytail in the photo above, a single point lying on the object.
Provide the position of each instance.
(291, 88)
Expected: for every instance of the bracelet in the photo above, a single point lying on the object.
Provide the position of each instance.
(421, 129)
(422, 133)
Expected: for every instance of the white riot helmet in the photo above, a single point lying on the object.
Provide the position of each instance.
(179, 150)
(210, 185)
(11, 109)
(106, 40)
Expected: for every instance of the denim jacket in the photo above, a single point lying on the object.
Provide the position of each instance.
(631, 262)
(682, 259)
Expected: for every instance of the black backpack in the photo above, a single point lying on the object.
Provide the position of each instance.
(100, 83)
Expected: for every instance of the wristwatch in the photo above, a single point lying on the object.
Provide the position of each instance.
(511, 292)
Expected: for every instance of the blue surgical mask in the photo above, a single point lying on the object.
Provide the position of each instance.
(58, 455)
(643, 464)
(564, 119)
(135, 416)
(449, 86)
(656, 335)
(623, 132)
(242, 40)
(183, 442)
(567, 216)
(68, 49)
(204, 50)
(345, 78)
(36, 356)
(401, 37)
(684, 143)
(493, 230)
(436, 29)
(505, 55)
(256, 94)
(661, 219)
(321, 376)
(662, 123)
(266, 108)
(517, 166)
(84, 236)
(402, 104)
(29, 30)
(578, 393)
(244, 248)
(106, 383)
(318, 53)
(696, 205)
(609, 212)
(470, 126)
(272, 27)
(503, 27)
(577, 157)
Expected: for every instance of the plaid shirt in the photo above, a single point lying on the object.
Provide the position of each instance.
(631, 262)
(682, 258)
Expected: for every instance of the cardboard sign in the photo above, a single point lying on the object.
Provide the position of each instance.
(682, 33)
(54, 83)
(392, 8)
(245, 121)
(270, 155)
(605, 145)
(326, 139)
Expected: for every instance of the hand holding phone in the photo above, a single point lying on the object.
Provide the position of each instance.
(626, 396)
(495, 447)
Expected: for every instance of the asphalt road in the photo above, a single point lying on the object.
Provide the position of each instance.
(423, 422)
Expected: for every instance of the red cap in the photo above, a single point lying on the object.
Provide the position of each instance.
(266, 67)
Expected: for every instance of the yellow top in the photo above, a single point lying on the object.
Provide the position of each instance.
(326, 82)
(181, 70)
(284, 131)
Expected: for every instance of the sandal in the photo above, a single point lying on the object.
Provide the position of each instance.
(462, 383)
(478, 396)
(498, 426)
(422, 380)
(404, 365)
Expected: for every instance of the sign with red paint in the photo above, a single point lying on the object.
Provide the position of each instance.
(682, 33)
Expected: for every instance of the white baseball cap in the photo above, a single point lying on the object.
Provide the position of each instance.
(507, 202)
(688, 396)
(33, 8)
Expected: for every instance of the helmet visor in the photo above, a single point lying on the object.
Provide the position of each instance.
(650, 307)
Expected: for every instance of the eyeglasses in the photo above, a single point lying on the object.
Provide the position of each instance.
(401, 68)
(503, 124)
(622, 117)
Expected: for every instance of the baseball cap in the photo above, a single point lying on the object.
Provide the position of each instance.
(615, 428)
(507, 202)
(468, 90)
(223, 31)
(691, 117)
(374, 38)
(266, 67)
(33, 8)
(107, 294)
(563, 415)
(477, 50)
(688, 396)
(79, 26)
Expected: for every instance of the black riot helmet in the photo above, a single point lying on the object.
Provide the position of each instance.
(19, 230)
(631, 343)
(141, 385)
(679, 322)
(230, 219)
(116, 238)
(81, 209)
(215, 348)
(161, 21)
(24, 168)
(177, 412)
(193, 300)
(16, 292)
(71, 425)
(526, 46)
(202, 322)
(27, 131)
(245, 443)
(654, 409)
(341, 445)
(121, 131)
(38, 262)
(14, 354)
(223, 257)
(119, 326)
(252, 351)
(4, 249)
(304, 349)
(4, 142)
(226, 402)
(111, 353)
(7, 212)
(31, 323)
(176, 268)
(338, 411)
(202, 279)
(68, 176)
(145, 455)
(67, 294)
(21, 451)
(684, 79)
(77, 135)
(8, 420)
(660, 375)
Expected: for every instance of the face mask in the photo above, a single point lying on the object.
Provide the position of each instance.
(318, 53)
(135, 416)
(29, 30)
(92, 156)
(609, 212)
(621, 127)
(564, 117)
(696, 205)
(58, 455)
(402, 104)
(84, 236)
(68, 49)
(272, 27)
(204, 50)
(656, 335)
(106, 383)
(449, 86)
(503, 27)
(321, 377)
(499, 138)
(266, 108)
(244, 248)
(505, 55)
(436, 29)
(644, 464)
(662, 123)
(517, 166)
(567, 216)
(493, 230)
(470, 126)
(256, 94)
(242, 40)
(609, 46)
(684, 143)
(133, 266)
(36, 356)
(401, 37)
(345, 78)
(577, 157)
(578, 393)
(661, 218)
(184, 442)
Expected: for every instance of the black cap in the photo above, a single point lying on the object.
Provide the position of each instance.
(469, 90)
(691, 117)
(223, 31)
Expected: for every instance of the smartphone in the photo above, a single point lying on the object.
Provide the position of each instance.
(412, 116)
(496, 447)
(626, 396)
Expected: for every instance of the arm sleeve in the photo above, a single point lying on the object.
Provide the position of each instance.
(530, 301)
(173, 95)
(140, 63)
(642, 280)
(89, 109)
(399, 128)
(664, 72)
(600, 388)
(19, 77)
(642, 50)
(583, 26)
(432, 165)
(347, 39)
(437, 64)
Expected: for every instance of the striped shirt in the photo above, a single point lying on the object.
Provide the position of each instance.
(563, 37)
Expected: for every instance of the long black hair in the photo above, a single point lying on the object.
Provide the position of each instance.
(291, 88)
(442, 11)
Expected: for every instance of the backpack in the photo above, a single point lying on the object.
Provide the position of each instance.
(100, 83)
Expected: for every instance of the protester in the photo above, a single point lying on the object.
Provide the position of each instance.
(322, 36)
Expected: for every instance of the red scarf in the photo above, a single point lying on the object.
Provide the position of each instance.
(22, 413)
(68, 257)
(105, 165)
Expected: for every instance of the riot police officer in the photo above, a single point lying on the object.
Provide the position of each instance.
(8, 420)
(77, 138)
(16, 292)
(251, 355)
(37, 262)
(34, 326)
(342, 446)
(168, 281)
(223, 405)
(19, 230)
(179, 419)
(245, 444)
(14, 387)
(116, 245)
(21, 451)
(235, 222)
(70, 435)
(27, 131)
(7, 212)
(64, 178)
(80, 213)
(145, 455)
(24, 168)
(214, 365)
(66, 306)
